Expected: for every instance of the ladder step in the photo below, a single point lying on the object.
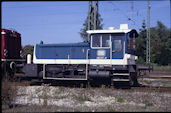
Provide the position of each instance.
(120, 79)
(121, 74)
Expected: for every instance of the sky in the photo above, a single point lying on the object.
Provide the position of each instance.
(60, 22)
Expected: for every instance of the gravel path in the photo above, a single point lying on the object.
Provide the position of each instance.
(50, 98)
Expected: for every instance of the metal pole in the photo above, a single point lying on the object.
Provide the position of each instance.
(149, 6)
(88, 38)
(148, 34)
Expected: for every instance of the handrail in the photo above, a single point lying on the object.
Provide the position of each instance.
(111, 53)
(87, 64)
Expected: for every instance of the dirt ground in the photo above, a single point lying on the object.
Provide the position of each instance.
(47, 98)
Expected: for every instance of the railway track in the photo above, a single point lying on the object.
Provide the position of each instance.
(25, 82)
(157, 77)
(152, 88)
(141, 88)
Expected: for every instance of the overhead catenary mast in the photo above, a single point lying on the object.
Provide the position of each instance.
(92, 16)
(148, 34)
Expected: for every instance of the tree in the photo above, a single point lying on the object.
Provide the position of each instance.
(160, 53)
(27, 49)
(141, 44)
(83, 30)
(160, 38)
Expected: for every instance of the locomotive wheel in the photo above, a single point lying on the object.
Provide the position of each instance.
(7, 73)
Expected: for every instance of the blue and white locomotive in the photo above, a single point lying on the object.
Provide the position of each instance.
(109, 54)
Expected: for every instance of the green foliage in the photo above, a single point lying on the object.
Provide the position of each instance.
(160, 50)
(149, 104)
(103, 87)
(140, 60)
(120, 100)
(83, 33)
(141, 45)
(160, 38)
(28, 49)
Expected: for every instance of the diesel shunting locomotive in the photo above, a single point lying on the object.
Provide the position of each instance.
(108, 55)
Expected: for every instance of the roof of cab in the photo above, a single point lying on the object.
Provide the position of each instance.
(109, 31)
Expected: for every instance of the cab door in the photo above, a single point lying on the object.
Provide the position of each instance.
(100, 46)
(117, 46)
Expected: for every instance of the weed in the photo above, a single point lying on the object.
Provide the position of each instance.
(57, 96)
(45, 94)
(82, 85)
(81, 98)
(103, 87)
(147, 81)
(88, 85)
(120, 100)
(149, 104)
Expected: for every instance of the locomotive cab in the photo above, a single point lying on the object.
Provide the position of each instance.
(113, 46)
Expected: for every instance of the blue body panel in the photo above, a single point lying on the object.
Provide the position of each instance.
(62, 51)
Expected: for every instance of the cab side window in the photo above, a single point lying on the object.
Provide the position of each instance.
(117, 42)
(117, 45)
(95, 40)
(105, 40)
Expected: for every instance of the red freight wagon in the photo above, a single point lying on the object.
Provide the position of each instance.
(11, 51)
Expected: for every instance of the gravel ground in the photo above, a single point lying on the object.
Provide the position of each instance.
(60, 99)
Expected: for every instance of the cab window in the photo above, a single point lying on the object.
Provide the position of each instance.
(100, 40)
(105, 40)
(117, 45)
(117, 42)
(95, 40)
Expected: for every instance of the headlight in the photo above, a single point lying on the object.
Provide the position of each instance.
(128, 56)
(136, 57)
(5, 52)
